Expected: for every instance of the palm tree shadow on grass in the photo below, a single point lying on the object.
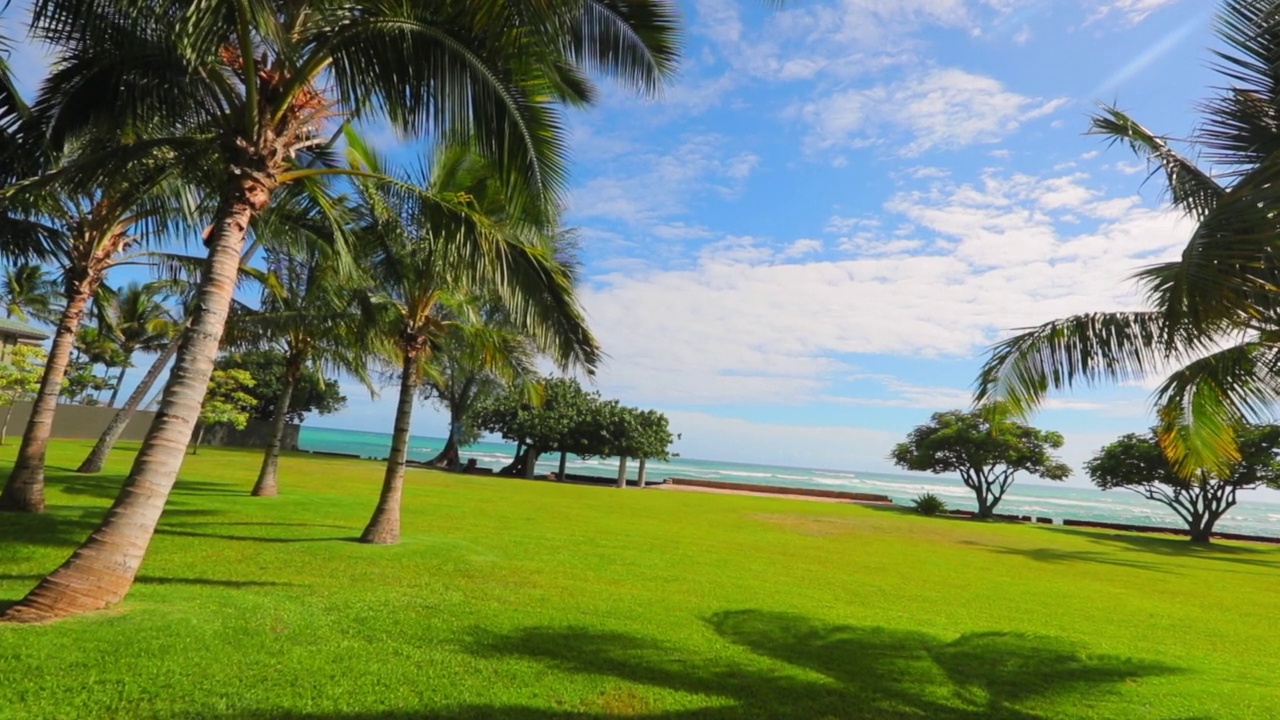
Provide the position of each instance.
(1265, 557)
(1055, 556)
(803, 668)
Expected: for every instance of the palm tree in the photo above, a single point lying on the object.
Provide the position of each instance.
(1214, 314)
(253, 85)
(28, 293)
(308, 312)
(429, 256)
(87, 235)
(137, 319)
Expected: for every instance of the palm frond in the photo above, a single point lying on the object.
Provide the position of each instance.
(1079, 350)
(1191, 189)
(1202, 404)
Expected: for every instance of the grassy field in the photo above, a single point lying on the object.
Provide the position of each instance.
(530, 600)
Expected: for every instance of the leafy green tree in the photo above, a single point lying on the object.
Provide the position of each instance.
(228, 402)
(428, 258)
(558, 415)
(1138, 463)
(82, 383)
(312, 392)
(20, 370)
(253, 86)
(986, 448)
(28, 293)
(1212, 313)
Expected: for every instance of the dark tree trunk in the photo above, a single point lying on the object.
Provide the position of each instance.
(1201, 528)
(450, 456)
(531, 455)
(516, 464)
(985, 509)
(564, 457)
(384, 526)
(98, 456)
(266, 486)
(25, 490)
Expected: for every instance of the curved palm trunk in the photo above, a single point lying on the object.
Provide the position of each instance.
(266, 485)
(384, 526)
(25, 490)
(98, 456)
(4, 429)
(102, 570)
(115, 391)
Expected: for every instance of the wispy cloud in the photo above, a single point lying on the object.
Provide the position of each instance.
(944, 108)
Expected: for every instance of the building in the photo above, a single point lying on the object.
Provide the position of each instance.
(13, 332)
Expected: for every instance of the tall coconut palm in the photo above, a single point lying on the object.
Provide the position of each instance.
(29, 292)
(87, 235)
(1214, 314)
(179, 287)
(254, 84)
(428, 256)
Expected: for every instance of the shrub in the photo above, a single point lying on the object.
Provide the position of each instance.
(929, 504)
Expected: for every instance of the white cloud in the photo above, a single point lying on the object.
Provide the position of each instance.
(748, 323)
(1131, 12)
(942, 109)
(651, 187)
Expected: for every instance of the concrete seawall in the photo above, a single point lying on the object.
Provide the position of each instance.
(778, 490)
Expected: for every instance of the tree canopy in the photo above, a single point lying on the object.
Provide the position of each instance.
(986, 448)
(1138, 463)
(570, 419)
(312, 393)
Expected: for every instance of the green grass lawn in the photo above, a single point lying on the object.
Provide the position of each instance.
(531, 600)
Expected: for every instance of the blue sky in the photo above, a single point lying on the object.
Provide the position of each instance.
(806, 245)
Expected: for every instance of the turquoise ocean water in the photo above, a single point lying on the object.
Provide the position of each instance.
(1251, 516)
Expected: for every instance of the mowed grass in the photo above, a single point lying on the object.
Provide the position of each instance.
(531, 600)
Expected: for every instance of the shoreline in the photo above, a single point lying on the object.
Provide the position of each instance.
(819, 495)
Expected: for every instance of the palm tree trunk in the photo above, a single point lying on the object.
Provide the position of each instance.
(115, 391)
(8, 415)
(98, 456)
(195, 446)
(102, 570)
(384, 526)
(266, 485)
(25, 490)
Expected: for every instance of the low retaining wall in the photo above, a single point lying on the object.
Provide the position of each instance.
(1098, 524)
(256, 434)
(86, 422)
(777, 490)
(81, 422)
